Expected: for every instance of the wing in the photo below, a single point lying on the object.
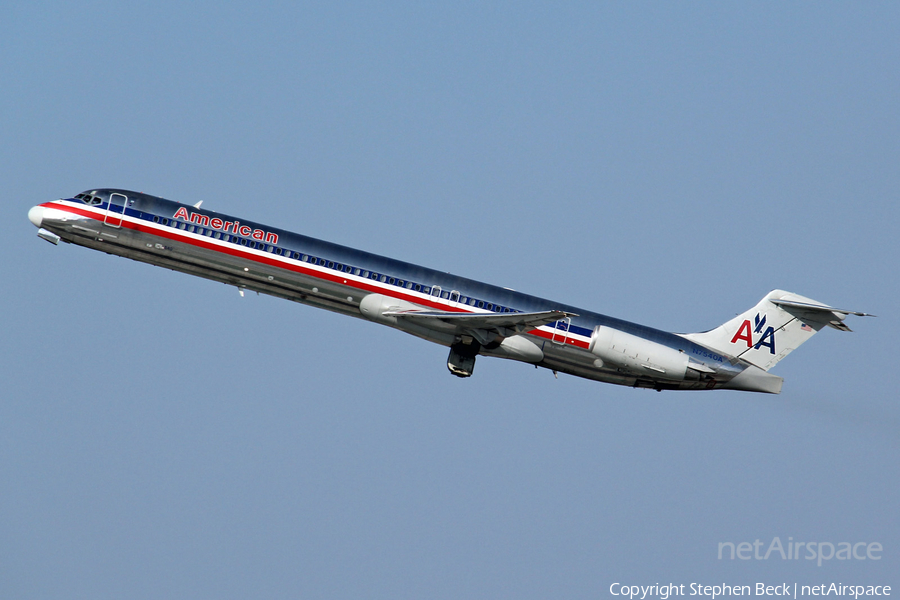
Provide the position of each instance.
(483, 327)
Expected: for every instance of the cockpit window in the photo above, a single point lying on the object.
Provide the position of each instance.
(89, 199)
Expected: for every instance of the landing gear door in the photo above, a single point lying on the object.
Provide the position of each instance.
(115, 209)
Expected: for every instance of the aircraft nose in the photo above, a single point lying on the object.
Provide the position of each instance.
(36, 215)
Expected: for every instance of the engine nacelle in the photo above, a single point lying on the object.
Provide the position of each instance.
(638, 355)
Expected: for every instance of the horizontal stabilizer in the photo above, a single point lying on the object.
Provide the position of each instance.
(818, 307)
(835, 316)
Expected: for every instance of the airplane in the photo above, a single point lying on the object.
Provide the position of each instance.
(469, 317)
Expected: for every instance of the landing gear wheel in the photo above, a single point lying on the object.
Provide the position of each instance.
(461, 361)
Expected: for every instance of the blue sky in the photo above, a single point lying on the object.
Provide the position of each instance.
(669, 164)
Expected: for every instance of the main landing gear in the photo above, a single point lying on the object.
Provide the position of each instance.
(461, 361)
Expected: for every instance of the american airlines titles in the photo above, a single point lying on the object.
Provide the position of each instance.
(228, 226)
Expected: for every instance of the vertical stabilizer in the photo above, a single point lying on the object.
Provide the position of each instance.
(772, 329)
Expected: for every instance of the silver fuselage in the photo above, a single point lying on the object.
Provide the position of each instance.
(268, 260)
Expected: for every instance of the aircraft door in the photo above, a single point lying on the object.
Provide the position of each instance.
(561, 331)
(115, 209)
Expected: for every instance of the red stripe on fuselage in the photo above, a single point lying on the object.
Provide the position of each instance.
(173, 234)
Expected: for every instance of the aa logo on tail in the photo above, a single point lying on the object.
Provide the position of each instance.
(745, 333)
